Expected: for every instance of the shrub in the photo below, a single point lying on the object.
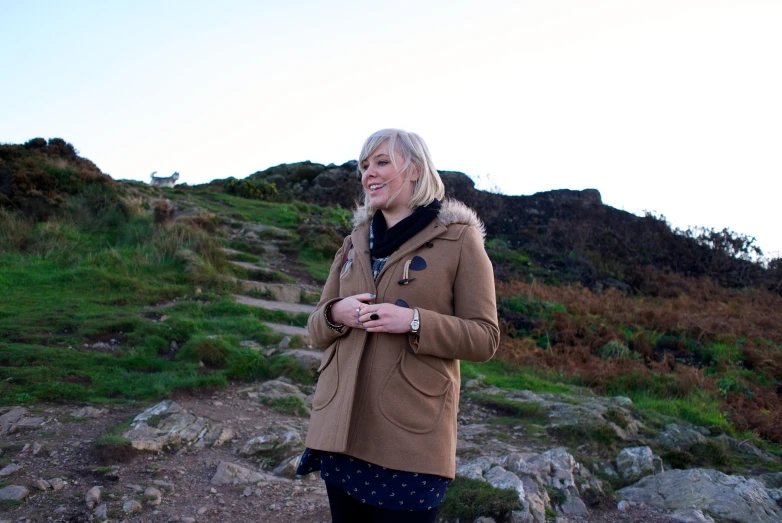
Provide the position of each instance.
(252, 189)
(469, 499)
(212, 352)
(617, 349)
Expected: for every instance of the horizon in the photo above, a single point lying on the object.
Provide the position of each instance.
(668, 107)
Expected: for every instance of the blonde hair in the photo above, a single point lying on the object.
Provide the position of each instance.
(415, 155)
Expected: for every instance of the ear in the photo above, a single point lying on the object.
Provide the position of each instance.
(415, 173)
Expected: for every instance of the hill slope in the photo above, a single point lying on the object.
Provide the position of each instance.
(117, 292)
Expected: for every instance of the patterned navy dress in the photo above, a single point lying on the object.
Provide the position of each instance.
(375, 485)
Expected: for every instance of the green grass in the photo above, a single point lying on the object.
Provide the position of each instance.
(289, 405)
(75, 283)
(243, 257)
(315, 263)
(507, 376)
(699, 408)
(506, 407)
(468, 499)
(112, 439)
(283, 215)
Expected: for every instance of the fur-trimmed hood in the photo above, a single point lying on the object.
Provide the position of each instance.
(452, 211)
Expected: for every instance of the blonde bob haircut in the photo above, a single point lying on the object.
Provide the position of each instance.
(414, 156)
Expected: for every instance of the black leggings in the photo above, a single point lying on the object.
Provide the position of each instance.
(345, 509)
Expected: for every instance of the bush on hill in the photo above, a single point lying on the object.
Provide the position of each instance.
(36, 177)
(252, 189)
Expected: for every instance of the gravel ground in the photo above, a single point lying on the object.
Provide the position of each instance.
(67, 451)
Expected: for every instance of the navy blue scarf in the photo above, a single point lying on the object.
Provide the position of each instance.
(385, 241)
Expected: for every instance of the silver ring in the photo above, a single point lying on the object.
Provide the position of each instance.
(358, 311)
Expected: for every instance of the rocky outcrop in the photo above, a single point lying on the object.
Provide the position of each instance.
(168, 425)
(316, 183)
(547, 224)
(636, 462)
(581, 410)
(279, 443)
(532, 476)
(718, 495)
(680, 438)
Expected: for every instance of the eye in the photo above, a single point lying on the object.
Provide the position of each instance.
(364, 166)
(383, 162)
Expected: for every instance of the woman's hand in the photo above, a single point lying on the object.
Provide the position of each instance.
(348, 310)
(389, 318)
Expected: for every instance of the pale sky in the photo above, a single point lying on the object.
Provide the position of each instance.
(671, 106)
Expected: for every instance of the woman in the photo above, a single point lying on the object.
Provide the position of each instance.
(410, 293)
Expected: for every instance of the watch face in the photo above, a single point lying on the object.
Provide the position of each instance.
(414, 324)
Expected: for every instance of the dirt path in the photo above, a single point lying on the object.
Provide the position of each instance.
(68, 452)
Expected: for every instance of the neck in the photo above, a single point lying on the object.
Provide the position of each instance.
(396, 216)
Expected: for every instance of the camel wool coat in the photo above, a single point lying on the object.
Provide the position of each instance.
(392, 399)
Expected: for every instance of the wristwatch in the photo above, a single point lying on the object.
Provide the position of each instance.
(415, 323)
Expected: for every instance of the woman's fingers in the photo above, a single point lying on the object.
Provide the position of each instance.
(386, 317)
(347, 311)
(366, 297)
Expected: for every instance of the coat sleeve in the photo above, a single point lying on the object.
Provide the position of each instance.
(472, 333)
(319, 331)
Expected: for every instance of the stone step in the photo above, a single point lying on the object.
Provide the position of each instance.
(252, 267)
(275, 305)
(291, 293)
(290, 330)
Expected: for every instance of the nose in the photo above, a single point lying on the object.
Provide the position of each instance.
(369, 172)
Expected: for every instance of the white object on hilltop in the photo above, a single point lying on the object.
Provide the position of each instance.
(164, 181)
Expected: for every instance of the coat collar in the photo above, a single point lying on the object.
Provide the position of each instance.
(452, 211)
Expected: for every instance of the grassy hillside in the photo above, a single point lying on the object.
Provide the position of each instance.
(83, 277)
(117, 292)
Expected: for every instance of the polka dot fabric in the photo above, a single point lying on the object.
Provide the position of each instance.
(374, 485)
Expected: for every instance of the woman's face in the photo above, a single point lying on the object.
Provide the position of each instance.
(382, 181)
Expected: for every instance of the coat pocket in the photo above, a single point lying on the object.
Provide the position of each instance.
(328, 380)
(414, 395)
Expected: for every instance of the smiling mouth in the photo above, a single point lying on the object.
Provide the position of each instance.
(375, 186)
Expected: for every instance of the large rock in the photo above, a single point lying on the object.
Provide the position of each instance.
(26, 424)
(308, 359)
(13, 493)
(167, 424)
(279, 443)
(535, 473)
(718, 495)
(92, 497)
(475, 469)
(10, 417)
(690, 516)
(279, 389)
(500, 478)
(745, 447)
(9, 469)
(636, 462)
(771, 479)
(591, 414)
(288, 467)
(228, 473)
(679, 437)
(88, 412)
